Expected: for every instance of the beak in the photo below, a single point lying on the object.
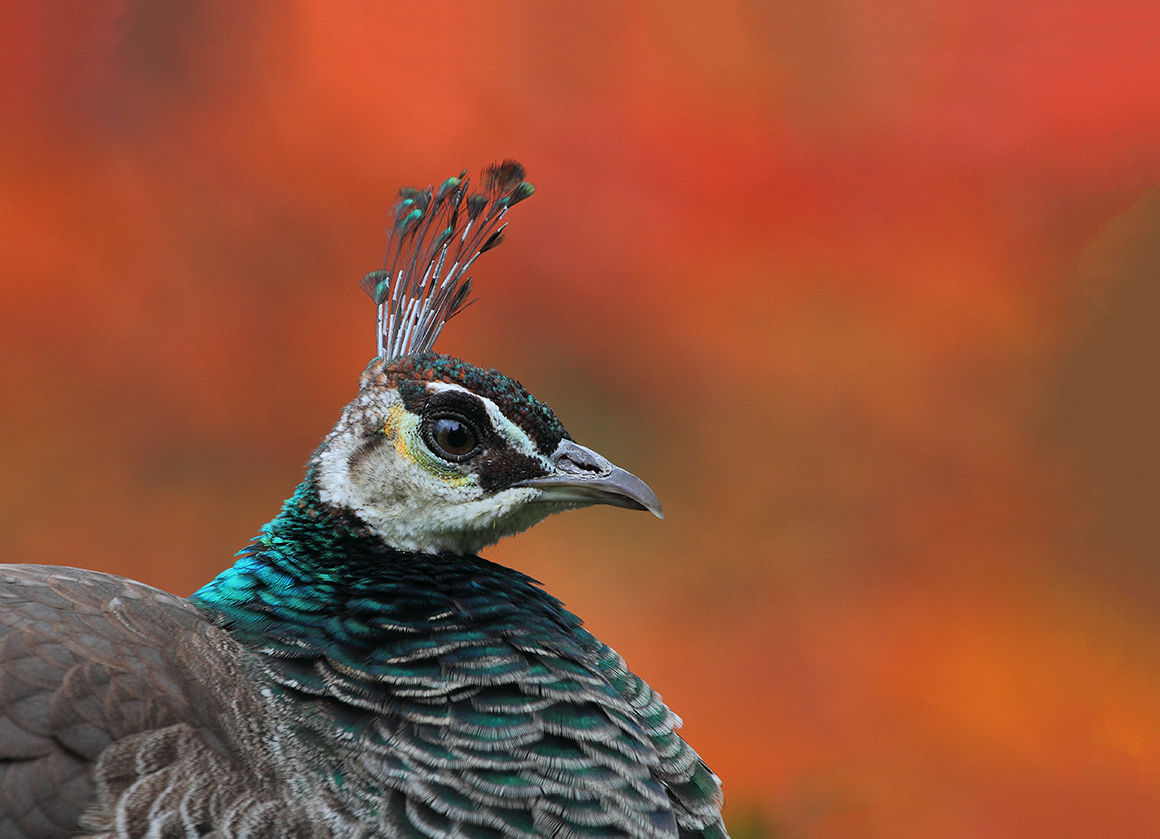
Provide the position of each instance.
(583, 477)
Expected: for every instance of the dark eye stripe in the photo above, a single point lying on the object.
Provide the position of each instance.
(506, 468)
(468, 407)
(412, 374)
(496, 462)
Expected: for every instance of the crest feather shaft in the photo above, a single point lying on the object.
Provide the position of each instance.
(435, 236)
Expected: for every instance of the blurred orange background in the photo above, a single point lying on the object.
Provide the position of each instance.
(869, 292)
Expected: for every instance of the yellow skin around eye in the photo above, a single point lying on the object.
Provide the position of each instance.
(403, 428)
(391, 427)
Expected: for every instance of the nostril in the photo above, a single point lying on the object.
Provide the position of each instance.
(575, 459)
(579, 465)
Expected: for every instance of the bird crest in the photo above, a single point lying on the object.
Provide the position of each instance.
(436, 235)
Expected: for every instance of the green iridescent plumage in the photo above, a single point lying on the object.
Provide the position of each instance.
(359, 671)
(462, 682)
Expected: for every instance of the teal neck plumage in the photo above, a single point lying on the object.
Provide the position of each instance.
(315, 582)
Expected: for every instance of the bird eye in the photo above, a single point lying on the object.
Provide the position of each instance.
(451, 438)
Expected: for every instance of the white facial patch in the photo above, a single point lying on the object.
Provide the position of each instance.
(376, 464)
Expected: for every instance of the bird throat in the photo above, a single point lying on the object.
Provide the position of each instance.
(316, 582)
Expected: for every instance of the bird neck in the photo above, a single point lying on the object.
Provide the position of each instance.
(315, 579)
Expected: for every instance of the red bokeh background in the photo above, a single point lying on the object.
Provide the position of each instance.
(867, 291)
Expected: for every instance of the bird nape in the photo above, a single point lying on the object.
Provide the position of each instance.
(359, 671)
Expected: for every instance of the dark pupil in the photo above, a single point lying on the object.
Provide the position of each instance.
(453, 436)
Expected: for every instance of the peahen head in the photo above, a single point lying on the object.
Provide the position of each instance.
(436, 455)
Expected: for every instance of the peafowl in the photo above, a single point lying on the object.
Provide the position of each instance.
(359, 671)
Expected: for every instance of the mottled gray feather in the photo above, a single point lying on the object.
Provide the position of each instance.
(125, 713)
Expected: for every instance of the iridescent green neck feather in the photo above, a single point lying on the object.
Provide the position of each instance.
(315, 583)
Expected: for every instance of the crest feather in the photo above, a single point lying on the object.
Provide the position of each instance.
(435, 236)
